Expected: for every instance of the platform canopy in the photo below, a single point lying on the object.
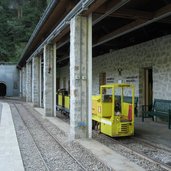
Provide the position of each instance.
(116, 24)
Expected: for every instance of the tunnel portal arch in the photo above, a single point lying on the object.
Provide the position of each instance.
(3, 89)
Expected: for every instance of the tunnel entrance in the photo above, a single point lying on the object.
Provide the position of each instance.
(3, 89)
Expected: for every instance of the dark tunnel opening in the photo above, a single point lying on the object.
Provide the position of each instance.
(3, 90)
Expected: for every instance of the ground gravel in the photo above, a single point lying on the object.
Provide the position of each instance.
(79, 152)
(144, 163)
(54, 156)
(30, 155)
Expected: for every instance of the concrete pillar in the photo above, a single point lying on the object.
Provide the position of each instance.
(50, 79)
(20, 80)
(81, 77)
(24, 83)
(28, 82)
(41, 76)
(32, 80)
(36, 81)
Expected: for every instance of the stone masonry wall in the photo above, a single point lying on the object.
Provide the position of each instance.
(64, 74)
(155, 54)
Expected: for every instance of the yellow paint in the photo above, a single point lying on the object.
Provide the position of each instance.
(60, 100)
(67, 102)
(112, 123)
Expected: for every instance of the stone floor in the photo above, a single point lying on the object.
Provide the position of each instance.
(156, 132)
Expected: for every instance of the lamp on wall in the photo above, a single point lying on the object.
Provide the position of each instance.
(120, 71)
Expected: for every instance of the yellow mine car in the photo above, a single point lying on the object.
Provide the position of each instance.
(63, 101)
(110, 114)
(112, 110)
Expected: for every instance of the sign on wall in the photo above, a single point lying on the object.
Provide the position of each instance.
(131, 79)
(110, 80)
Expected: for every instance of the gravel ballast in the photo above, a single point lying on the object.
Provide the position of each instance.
(30, 155)
(144, 163)
(54, 156)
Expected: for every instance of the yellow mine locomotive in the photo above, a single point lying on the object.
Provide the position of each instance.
(112, 114)
(112, 110)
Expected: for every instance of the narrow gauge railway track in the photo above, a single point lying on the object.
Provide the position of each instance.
(159, 153)
(152, 148)
(131, 148)
(55, 139)
(151, 144)
(37, 148)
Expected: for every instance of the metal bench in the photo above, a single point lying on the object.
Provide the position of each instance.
(160, 108)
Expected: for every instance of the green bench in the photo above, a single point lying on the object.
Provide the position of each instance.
(160, 108)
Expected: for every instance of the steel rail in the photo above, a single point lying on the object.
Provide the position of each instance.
(163, 148)
(158, 163)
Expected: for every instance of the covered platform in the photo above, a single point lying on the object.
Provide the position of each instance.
(80, 45)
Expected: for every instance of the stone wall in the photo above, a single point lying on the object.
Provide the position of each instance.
(155, 54)
(63, 74)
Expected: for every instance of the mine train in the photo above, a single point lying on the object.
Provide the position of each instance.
(112, 109)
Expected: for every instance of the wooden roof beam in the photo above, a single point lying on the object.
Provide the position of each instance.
(163, 10)
(62, 34)
(111, 8)
(94, 6)
(130, 14)
(133, 14)
(159, 14)
(63, 43)
(118, 32)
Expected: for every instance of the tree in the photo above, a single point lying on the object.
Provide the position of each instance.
(18, 19)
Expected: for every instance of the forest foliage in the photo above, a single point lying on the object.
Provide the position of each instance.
(18, 19)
